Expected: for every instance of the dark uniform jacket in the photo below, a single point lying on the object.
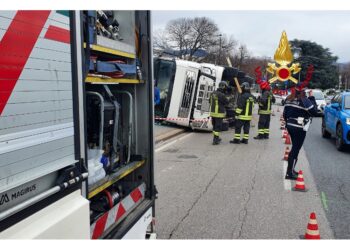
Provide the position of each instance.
(245, 105)
(302, 109)
(265, 103)
(218, 101)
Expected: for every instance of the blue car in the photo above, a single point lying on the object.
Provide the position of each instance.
(336, 120)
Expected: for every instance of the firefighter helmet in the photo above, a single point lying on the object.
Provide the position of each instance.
(245, 86)
(223, 85)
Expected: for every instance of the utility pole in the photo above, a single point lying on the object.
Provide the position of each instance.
(219, 49)
(218, 58)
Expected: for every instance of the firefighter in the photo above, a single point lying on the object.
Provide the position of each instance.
(265, 103)
(230, 107)
(218, 101)
(297, 114)
(244, 112)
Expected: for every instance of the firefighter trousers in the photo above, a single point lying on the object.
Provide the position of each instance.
(264, 125)
(246, 126)
(217, 125)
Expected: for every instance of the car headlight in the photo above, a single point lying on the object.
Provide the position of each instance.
(348, 120)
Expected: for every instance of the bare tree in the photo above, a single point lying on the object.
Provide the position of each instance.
(179, 34)
(190, 35)
(251, 63)
(203, 32)
(240, 56)
(223, 47)
(160, 42)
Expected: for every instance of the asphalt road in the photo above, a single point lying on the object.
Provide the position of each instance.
(233, 191)
(162, 129)
(331, 171)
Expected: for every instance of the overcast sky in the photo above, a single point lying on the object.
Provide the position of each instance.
(261, 30)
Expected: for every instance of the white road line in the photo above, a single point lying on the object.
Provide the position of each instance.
(172, 142)
(287, 183)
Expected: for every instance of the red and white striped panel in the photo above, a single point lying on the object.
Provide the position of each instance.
(116, 213)
(181, 119)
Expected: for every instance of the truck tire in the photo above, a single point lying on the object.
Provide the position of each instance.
(339, 142)
(325, 133)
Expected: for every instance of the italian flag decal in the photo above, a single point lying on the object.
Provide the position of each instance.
(25, 27)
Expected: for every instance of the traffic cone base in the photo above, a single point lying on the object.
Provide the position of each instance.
(300, 190)
(299, 184)
(312, 232)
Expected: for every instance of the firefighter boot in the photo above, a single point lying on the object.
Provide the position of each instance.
(267, 133)
(216, 140)
(235, 141)
(245, 141)
(259, 137)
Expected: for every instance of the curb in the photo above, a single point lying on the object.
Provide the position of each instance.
(168, 135)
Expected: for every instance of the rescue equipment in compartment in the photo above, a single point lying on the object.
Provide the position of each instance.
(104, 202)
(107, 25)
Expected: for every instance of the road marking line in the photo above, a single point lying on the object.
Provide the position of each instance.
(172, 142)
(324, 201)
(287, 183)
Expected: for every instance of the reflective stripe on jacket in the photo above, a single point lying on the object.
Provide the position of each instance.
(218, 102)
(245, 105)
(265, 103)
(299, 108)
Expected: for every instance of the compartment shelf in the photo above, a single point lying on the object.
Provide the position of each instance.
(114, 177)
(107, 50)
(98, 80)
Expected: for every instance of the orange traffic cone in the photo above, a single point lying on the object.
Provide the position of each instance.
(299, 184)
(283, 125)
(286, 154)
(312, 232)
(288, 141)
(285, 134)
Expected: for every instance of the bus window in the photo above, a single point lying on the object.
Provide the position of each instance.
(164, 75)
(187, 94)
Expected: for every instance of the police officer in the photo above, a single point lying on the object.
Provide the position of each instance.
(265, 103)
(218, 101)
(297, 114)
(244, 112)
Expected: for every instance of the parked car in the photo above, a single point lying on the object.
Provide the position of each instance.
(329, 98)
(336, 120)
(320, 99)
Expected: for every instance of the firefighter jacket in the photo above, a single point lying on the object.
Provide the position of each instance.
(245, 105)
(265, 103)
(218, 101)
